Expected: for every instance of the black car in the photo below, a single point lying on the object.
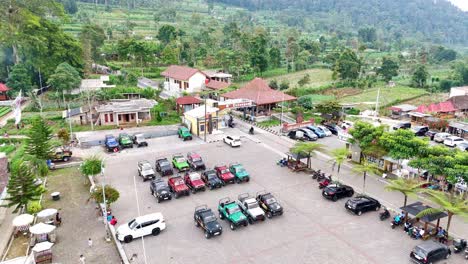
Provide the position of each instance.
(163, 166)
(160, 190)
(332, 128)
(195, 161)
(429, 252)
(420, 130)
(335, 191)
(211, 180)
(269, 204)
(205, 219)
(402, 125)
(431, 134)
(362, 203)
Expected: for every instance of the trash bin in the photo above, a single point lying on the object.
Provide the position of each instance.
(55, 196)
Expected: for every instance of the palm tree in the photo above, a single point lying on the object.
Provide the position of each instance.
(338, 157)
(307, 149)
(408, 187)
(365, 167)
(452, 204)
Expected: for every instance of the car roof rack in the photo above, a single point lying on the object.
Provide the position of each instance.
(224, 200)
(201, 207)
(243, 196)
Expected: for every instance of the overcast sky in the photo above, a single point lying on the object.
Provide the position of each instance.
(462, 4)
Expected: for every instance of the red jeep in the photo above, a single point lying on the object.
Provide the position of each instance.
(224, 174)
(178, 186)
(194, 181)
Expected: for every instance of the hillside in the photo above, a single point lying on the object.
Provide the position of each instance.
(437, 21)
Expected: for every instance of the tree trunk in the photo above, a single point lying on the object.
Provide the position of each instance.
(364, 183)
(448, 221)
(406, 199)
(15, 54)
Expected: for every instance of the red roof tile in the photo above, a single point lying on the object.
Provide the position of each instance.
(187, 100)
(180, 72)
(3, 88)
(442, 107)
(258, 91)
(217, 85)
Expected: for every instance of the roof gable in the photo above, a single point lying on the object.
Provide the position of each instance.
(258, 91)
(217, 85)
(187, 100)
(4, 88)
(180, 72)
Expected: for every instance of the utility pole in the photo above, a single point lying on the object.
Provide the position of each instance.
(69, 119)
(205, 119)
(377, 103)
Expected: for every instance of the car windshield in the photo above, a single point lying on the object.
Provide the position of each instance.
(209, 218)
(420, 252)
(132, 224)
(180, 159)
(252, 205)
(146, 166)
(164, 163)
(211, 176)
(270, 200)
(233, 210)
(194, 176)
(139, 138)
(161, 184)
(223, 171)
(196, 159)
(236, 140)
(111, 140)
(178, 182)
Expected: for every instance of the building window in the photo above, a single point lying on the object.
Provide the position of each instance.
(120, 118)
(112, 117)
(106, 118)
(186, 85)
(202, 128)
(167, 79)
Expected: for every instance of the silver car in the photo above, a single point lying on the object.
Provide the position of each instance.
(440, 137)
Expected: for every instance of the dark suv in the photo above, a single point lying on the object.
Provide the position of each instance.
(429, 252)
(402, 125)
(420, 130)
(361, 204)
(335, 191)
(160, 190)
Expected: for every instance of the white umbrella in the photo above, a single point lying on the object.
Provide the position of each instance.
(41, 228)
(47, 212)
(39, 247)
(23, 220)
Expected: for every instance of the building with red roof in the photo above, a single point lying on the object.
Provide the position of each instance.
(3, 92)
(263, 96)
(442, 107)
(187, 103)
(182, 79)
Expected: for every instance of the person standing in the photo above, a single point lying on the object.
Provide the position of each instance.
(82, 259)
(90, 242)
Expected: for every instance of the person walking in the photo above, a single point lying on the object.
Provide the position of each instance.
(82, 259)
(90, 242)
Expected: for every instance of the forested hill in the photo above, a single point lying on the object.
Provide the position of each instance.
(435, 20)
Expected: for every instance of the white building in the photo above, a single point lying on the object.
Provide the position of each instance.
(92, 85)
(180, 79)
(458, 91)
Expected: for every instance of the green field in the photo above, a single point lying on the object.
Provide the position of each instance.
(318, 77)
(4, 110)
(387, 95)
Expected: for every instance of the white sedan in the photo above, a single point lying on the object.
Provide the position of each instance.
(325, 130)
(233, 141)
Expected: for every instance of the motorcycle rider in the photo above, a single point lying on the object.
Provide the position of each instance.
(251, 131)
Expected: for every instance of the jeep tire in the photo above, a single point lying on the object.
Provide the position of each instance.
(128, 239)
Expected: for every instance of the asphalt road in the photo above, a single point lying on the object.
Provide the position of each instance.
(312, 230)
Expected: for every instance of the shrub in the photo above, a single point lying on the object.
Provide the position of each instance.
(305, 101)
(34, 207)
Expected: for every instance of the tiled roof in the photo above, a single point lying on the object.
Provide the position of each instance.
(187, 100)
(258, 91)
(3, 88)
(442, 107)
(127, 106)
(180, 72)
(460, 102)
(217, 85)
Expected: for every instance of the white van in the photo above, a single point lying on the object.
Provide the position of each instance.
(453, 141)
(150, 224)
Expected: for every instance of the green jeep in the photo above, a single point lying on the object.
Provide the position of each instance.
(230, 211)
(239, 172)
(125, 141)
(180, 162)
(184, 133)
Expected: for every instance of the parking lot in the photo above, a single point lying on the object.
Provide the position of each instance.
(312, 230)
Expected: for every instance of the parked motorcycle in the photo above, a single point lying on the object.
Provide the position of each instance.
(466, 253)
(459, 245)
(316, 174)
(325, 182)
(385, 214)
(396, 222)
(321, 177)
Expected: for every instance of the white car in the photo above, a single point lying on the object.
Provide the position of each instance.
(325, 130)
(251, 208)
(463, 146)
(233, 141)
(150, 224)
(453, 141)
(440, 137)
(347, 124)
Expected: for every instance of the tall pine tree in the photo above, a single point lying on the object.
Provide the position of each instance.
(21, 186)
(38, 143)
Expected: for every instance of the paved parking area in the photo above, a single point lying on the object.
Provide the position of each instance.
(312, 230)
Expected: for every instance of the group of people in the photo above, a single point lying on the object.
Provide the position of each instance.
(419, 232)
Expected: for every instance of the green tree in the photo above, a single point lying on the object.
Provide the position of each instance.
(304, 80)
(339, 156)
(167, 33)
(170, 55)
(330, 109)
(367, 136)
(64, 135)
(38, 142)
(275, 57)
(91, 166)
(348, 66)
(402, 144)
(365, 168)
(257, 51)
(64, 79)
(460, 72)
(441, 54)
(19, 79)
(407, 187)
(420, 76)
(112, 195)
(95, 35)
(452, 204)
(388, 69)
(284, 85)
(273, 84)
(306, 149)
(22, 187)
(368, 34)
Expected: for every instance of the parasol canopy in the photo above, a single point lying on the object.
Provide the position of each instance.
(23, 220)
(47, 212)
(41, 228)
(39, 247)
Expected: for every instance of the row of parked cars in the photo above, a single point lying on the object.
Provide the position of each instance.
(439, 137)
(312, 133)
(191, 181)
(124, 140)
(246, 210)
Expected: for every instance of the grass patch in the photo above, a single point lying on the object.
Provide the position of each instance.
(269, 123)
(4, 110)
(318, 77)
